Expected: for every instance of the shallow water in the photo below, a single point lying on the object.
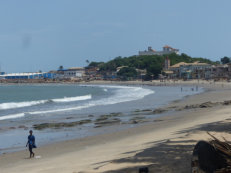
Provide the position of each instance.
(26, 105)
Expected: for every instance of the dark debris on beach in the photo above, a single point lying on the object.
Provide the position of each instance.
(169, 156)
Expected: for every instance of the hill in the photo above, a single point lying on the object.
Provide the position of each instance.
(152, 63)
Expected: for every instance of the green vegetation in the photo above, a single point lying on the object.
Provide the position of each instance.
(152, 63)
(95, 64)
(185, 58)
(225, 60)
(127, 72)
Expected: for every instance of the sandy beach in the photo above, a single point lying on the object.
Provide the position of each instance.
(164, 145)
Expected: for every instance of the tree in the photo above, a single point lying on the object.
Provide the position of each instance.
(225, 60)
(155, 70)
(60, 67)
(95, 64)
(87, 61)
(127, 72)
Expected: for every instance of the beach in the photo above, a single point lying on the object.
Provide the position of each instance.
(164, 144)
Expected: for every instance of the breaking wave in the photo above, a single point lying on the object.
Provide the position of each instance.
(13, 105)
(119, 95)
(122, 94)
(12, 116)
(72, 99)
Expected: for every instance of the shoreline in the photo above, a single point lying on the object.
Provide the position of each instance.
(156, 81)
(101, 123)
(111, 146)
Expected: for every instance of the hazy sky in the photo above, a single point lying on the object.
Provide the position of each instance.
(44, 34)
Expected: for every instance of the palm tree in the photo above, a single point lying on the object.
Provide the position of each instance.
(87, 61)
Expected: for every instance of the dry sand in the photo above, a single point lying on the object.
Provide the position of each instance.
(164, 146)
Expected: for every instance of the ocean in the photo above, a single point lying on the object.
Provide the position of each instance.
(24, 105)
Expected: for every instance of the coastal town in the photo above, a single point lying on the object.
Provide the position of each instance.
(115, 86)
(181, 70)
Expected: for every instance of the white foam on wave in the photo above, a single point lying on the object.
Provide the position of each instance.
(122, 94)
(71, 99)
(13, 116)
(13, 105)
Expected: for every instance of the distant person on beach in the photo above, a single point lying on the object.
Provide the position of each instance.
(31, 143)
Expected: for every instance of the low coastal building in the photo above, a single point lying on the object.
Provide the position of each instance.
(110, 75)
(71, 73)
(195, 70)
(22, 76)
(141, 72)
(119, 68)
(49, 75)
(166, 50)
(183, 70)
(172, 71)
(93, 73)
(221, 71)
(74, 72)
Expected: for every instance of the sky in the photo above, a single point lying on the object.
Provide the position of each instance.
(42, 35)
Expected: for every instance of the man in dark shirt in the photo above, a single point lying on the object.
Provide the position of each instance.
(31, 143)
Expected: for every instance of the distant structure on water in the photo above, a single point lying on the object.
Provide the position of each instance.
(166, 50)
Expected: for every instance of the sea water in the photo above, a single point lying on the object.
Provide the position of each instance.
(23, 105)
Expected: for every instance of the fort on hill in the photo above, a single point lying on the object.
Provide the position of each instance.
(166, 50)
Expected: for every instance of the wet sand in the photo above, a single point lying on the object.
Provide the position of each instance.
(164, 145)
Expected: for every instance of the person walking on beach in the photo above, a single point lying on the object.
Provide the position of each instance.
(31, 143)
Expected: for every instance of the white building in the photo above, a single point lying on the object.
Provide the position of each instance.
(36, 75)
(166, 50)
(74, 72)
